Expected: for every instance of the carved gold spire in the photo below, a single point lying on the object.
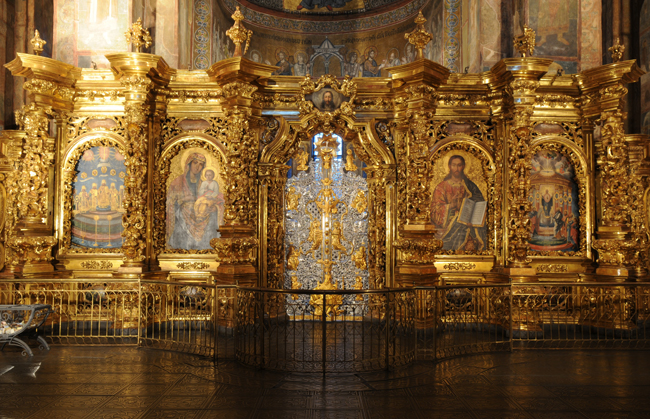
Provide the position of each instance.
(239, 34)
(419, 38)
(525, 43)
(37, 43)
(138, 36)
(617, 51)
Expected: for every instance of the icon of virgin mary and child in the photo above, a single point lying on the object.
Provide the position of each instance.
(194, 206)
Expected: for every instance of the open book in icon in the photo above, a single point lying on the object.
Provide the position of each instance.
(472, 213)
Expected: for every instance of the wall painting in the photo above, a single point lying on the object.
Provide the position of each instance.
(195, 201)
(554, 197)
(98, 192)
(459, 204)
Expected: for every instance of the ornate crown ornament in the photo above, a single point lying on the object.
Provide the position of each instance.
(525, 43)
(419, 38)
(37, 43)
(617, 51)
(138, 36)
(239, 34)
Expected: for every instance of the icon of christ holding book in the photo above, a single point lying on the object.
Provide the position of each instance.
(458, 210)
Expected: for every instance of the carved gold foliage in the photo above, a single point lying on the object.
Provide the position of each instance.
(614, 170)
(68, 175)
(616, 252)
(418, 189)
(241, 170)
(555, 101)
(30, 249)
(31, 190)
(37, 43)
(519, 164)
(418, 251)
(552, 268)
(522, 87)
(101, 95)
(238, 88)
(97, 264)
(616, 51)
(48, 88)
(194, 96)
(78, 125)
(275, 178)
(161, 180)
(134, 219)
(456, 100)
(525, 43)
(192, 266)
(234, 251)
(570, 130)
(138, 36)
(459, 266)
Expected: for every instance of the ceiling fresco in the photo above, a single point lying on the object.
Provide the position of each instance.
(345, 16)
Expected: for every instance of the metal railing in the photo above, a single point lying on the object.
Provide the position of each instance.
(338, 330)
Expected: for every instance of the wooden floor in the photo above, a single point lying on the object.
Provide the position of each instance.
(126, 382)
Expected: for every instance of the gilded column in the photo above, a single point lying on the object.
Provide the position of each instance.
(521, 76)
(638, 152)
(135, 71)
(380, 178)
(30, 187)
(418, 81)
(616, 243)
(237, 78)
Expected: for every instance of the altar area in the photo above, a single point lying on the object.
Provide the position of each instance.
(236, 177)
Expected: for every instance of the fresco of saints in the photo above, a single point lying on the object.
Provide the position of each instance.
(330, 4)
(370, 67)
(285, 66)
(448, 199)
(193, 209)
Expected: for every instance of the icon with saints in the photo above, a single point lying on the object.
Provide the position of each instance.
(195, 201)
(458, 205)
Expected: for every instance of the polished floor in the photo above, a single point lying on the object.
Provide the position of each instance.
(127, 382)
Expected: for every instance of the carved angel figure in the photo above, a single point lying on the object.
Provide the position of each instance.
(315, 235)
(360, 203)
(302, 159)
(292, 199)
(359, 258)
(349, 162)
(293, 260)
(337, 236)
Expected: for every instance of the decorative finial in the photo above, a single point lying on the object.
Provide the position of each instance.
(37, 43)
(525, 43)
(419, 38)
(138, 36)
(617, 51)
(239, 34)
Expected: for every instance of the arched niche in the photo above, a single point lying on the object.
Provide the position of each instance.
(567, 163)
(189, 187)
(465, 204)
(91, 190)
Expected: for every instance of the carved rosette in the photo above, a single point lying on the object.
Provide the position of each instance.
(135, 182)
